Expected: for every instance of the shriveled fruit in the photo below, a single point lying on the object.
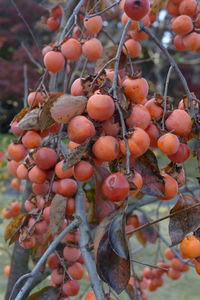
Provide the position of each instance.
(116, 187)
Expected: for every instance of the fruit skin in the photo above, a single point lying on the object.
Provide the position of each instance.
(45, 158)
(139, 117)
(106, 148)
(100, 107)
(171, 188)
(190, 246)
(168, 143)
(79, 129)
(169, 254)
(54, 61)
(182, 25)
(94, 25)
(71, 288)
(17, 151)
(116, 187)
(136, 89)
(71, 49)
(136, 9)
(83, 170)
(181, 155)
(131, 48)
(180, 122)
(92, 49)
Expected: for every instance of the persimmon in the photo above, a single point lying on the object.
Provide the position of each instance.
(153, 133)
(56, 277)
(40, 188)
(60, 173)
(46, 214)
(71, 49)
(131, 48)
(76, 271)
(6, 270)
(179, 122)
(12, 166)
(110, 127)
(15, 184)
(34, 98)
(83, 170)
(169, 254)
(152, 285)
(136, 9)
(15, 129)
(54, 61)
(31, 139)
(170, 189)
(106, 148)
(67, 187)
(116, 187)
(192, 41)
(37, 175)
(136, 89)
(53, 23)
(188, 7)
(77, 88)
(173, 9)
(56, 11)
(168, 143)
(29, 205)
(177, 265)
(182, 25)
(138, 142)
(173, 274)
(139, 35)
(17, 151)
(190, 246)
(70, 206)
(139, 117)
(71, 253)
(154, 109)
(181, 155)
(53, 261)
(100, 107)
(45, 158)
(41, 227)
(197, 268)
(92, 49)
(71, 288)
(94, 24)
(80, 129)
(178, 43)
(138, 182)
(27, 243)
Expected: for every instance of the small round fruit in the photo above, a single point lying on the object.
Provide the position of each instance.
(77, 88)
(139, 117)
(83, 171)
(131, 48)
(54, 61)
(92, 49)
(136, 9)
(169, 254)
(80, 129)
(31, 140)
(71, 288)
(94, 24)
(168, 143)
(22, 172)
(60, 173)
(53, 23)
(17, 151)
(138, 182)
(182, 25)
(45, 158)
(190, 246)
(100, 107)
(71, 254)
(67, 187)
(71, 49)
(170, 189)
(136, 89)
(106, 148)
(181, 155)
(179, 122)
(34, 98)
(116, 187)
(173, 274)
(37, 175)
(154, 109)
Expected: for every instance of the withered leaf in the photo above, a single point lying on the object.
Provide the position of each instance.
(112, 269)
(150, 233)
(122, 99)
(21, 114)
(49, 292)
(57, 213)
(91, 84)
(75, 155)
(30, 120)
(185, 221)
(117, 235)
(147, 166)
(45, 119)
(12, 229)
(66, 107)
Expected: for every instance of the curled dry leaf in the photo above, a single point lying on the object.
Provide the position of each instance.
(30, 120)
(147, 166)
(71, 158)
(66, 107)
(57, 214)
(185, 221)
(12, 229)
(45, 119)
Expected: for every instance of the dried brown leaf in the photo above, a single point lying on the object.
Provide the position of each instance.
(57, 214)
(45, 119)
(12, 229)
(30, 120)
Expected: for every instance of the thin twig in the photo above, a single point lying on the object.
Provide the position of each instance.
(165, 95)
(30, 56)
(148, 265)
(42, 260)
(25, 85)
(84, 241)
(113, 90)
(162, 219)
(102, 11)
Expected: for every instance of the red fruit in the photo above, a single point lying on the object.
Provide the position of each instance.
(70, 206)
(46, 214)
(71, 49)
(34, 98)
(76, 271)
(12, 166)
(77, 88)
(56, 278)
(173, 274)
(139, 117)
(53, 23)
(22, 172)
(181, 155)
(71, 288)
(94, 25)
(37, 175)
(106, 148)
(136, 9)
(60, 173)
(31, 139)
(179, 122)
(45, 158)
(79, 129)
(92, 49)
(169, 254)
(28, 243)
(100, 107)
(83, 170)
(147, 273)
(17, 151)
(116, 187)
(54, 61)
(40, 188)
(53, 261)
(67, 187)
(71, 254)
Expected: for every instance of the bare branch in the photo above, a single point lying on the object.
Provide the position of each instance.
(165, 95)
(102, 11)
(84, 241)
(44, 257)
